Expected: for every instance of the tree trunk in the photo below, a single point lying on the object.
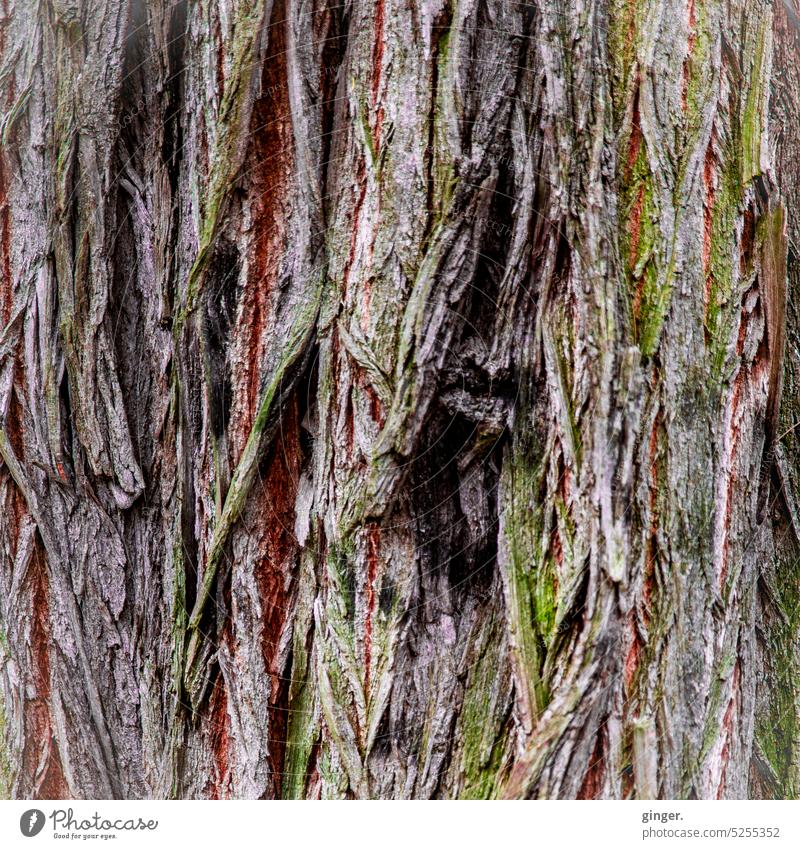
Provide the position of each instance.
(391, 398)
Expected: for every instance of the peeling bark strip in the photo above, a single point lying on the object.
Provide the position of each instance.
(399, 399)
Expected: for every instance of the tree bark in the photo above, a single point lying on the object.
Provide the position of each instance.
(398, 399)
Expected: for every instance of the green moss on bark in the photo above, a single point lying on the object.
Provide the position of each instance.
(6, 769)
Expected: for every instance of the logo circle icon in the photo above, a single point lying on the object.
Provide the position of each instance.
(31, 822)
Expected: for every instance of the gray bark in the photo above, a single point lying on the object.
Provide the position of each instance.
(397, 399)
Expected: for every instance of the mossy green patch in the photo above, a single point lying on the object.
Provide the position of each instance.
(649, 283)
(623, 24)
(777, 722)
(700, 83)
(726, 211)
(6, 769)
(481, 731)
(302, 732)
(752, 117)
(523, 528)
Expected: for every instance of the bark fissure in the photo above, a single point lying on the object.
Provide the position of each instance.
(399, 399)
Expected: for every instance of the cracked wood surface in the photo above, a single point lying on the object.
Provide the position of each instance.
(398, 399)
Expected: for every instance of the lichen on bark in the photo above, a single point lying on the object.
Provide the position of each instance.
(399, 400)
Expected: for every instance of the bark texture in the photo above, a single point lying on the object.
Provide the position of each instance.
(398, 398)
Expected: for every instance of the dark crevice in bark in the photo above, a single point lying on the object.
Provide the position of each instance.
(172, 143)
(172, 138)
(331, 32)
(188, 537)
(127, 326)
(222, 289)
(497, 515)
(68, 444)
(440, 29)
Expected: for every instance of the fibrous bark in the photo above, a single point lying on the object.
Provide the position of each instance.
(397, 399)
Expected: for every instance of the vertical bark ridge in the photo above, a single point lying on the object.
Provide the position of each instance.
(398, 399)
